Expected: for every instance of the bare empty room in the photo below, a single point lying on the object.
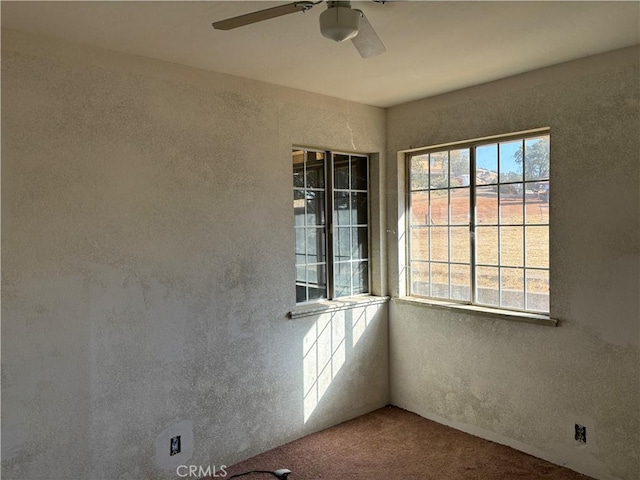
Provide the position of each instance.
(230, 227)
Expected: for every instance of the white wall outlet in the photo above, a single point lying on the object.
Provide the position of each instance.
(174, 445)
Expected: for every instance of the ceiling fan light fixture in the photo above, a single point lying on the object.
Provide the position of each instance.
(339, 23)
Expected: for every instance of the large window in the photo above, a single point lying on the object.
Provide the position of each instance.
(479, 223)
(331, 210)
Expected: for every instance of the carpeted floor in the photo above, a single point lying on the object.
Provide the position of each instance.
(393, 444)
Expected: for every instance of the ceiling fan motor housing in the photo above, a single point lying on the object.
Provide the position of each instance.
(339, 22)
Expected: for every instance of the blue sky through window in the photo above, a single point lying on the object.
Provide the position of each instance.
(487, 157)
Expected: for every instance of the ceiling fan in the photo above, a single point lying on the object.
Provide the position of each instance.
(339, 22)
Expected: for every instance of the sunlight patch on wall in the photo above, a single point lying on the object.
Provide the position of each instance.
(324, 355)
(360, 324)
(326, 348)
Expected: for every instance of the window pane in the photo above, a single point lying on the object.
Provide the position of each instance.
(537, 290)
(301, 293)
(459, 206)
(317, 293)
(536, 158)
(543, 192)
(511, 161)
(316, 275)
(420, 208)
(512, 285)
(439, 162)
(537, 246)
(461, 282)
(440, 244)
(358, 208)
(487, 286)
(419, 172)
(315, 170)
(316, 245)
(298, 168)
(301, 273)
(440, 280)
(359, 173)
(487, 164)
(309, 218)
(511, 246)
(460, 167)
(359, 243)
(460, 244)
(300, 246)
(420, 278)
(315, 208)
(487, 245)
(360, 271)
(298, 208)
(537, 203)
(341, 171)
(487, 205)
(511, 204)
(342, 279)
(342, 208)
(419, 243)
(439, 207)
(342, 243)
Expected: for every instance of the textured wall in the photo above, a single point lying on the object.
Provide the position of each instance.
(528, 385)
(147, 267)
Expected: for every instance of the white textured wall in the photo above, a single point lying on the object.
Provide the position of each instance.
(147, 266)
(521, 384)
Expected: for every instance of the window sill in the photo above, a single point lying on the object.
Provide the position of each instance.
(329, 306)
(524, 317)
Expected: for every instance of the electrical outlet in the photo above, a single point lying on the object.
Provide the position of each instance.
(175, 445)
(581, 434)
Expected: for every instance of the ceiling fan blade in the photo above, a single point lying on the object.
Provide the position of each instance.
(367, 41)
(260, 15)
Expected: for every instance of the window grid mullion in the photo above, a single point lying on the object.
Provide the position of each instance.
(524, 239)
(329, 222)
(429, 210)
(306, 217)
(472, 223)
(349, 185)
(408, 228)
(500, 263)
(449, 222)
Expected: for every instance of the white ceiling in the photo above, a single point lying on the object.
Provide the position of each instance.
(432, 46)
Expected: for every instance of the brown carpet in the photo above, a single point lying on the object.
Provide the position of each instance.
(393, 444)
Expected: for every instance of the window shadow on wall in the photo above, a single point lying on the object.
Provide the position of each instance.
(340, 360)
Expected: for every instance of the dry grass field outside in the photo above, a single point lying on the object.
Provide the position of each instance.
(512, 232)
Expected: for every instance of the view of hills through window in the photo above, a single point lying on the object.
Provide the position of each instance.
(479, 223)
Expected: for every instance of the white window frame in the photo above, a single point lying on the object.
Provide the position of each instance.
(332, 226)
(473, 225)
